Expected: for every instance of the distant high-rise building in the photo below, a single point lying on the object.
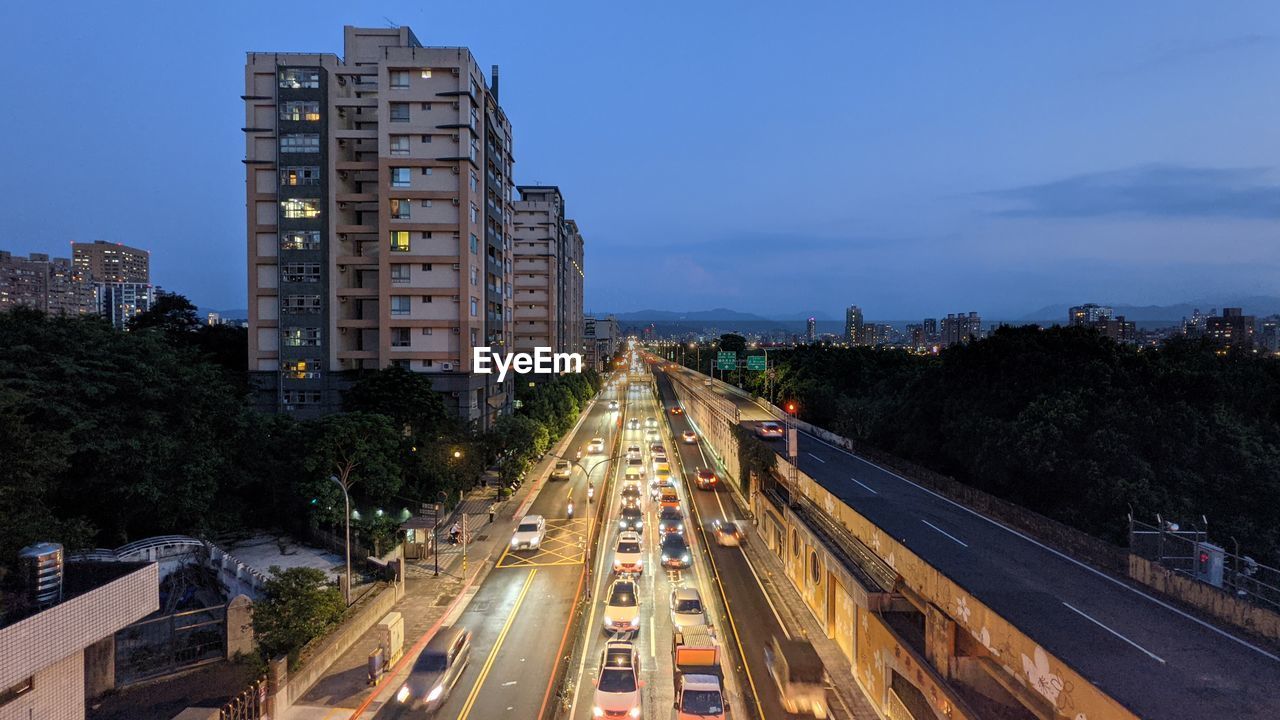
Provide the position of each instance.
(379, 221)
(547, 274)
(1230, 329)
(930, 331)
(915, 335)
(853, 325)
(811, 330)
(601, 340)
(1088, 314)
(121, 277)
(960, 328)
(1269, 337)
(1194, 326)
(52, 285)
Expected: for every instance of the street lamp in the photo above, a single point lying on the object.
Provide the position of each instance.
(346, 497)
(441, 498)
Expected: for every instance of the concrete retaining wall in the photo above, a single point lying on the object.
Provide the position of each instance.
(1207, 598)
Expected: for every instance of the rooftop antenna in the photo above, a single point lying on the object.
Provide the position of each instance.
(390, 22)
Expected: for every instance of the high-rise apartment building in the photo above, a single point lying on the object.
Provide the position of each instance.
(121, 277)
(1230, 329)
(601, 340)
(811, 330)
(853, 326)
(379, 220)
(960, 328)
(547, 279)
(1089, 314)
(52, 285)
(930, 330)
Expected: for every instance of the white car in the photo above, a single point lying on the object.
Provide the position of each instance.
(651, 435)
(628, 556)
(686, 608)
(633, 451)
(613, 404)
(618, 685)
(689, 437)
(622, 607)
(562, 470)
(650, 422)
(633, 424)
(530, 533)
(596, 446)
(769, 430)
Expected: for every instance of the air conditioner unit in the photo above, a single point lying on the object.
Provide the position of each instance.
(446, 367)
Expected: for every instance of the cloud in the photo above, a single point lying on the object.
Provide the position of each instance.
(1170, 191)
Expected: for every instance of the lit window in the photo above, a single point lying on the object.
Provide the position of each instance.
(401, 304)
(399, 241)
(399, 144)
(301, 369)
(300, 240)
(300, 175)
(400, 208)
(300, 110)
(300, 208)
(300, 272)
(295, 78)
(300, 143)
(399, 79)
(300, 303)
(301, 336)
(400, 177)
(400, 112)
(426, 73)
(400, 337)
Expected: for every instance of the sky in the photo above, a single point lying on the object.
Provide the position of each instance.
(911, 158)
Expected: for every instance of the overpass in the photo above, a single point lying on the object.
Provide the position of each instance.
(941, 610)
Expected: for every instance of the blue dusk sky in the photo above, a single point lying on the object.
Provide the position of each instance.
(912, 158)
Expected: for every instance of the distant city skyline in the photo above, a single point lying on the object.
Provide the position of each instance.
(999, 159)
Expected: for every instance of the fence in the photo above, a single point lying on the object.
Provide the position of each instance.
(159, 646)
(1190, 553)
(250, 704)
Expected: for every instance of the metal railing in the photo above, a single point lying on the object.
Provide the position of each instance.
(1189, 552)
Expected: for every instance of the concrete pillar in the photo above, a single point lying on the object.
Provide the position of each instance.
(278, 699)
(939, 640)
(100, 667)
(240, 639)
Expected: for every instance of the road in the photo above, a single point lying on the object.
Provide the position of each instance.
(1121, 638)
(521, 611)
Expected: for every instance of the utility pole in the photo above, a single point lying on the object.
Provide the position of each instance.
(346, 497)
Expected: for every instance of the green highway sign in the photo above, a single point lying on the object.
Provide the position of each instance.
(726, 360)
(755, 362)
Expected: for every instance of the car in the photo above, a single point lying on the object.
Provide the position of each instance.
(658, 484)
(638, 464)
(677, 410)
(633, 474)
(628, 555)
(622, 607)
(436, 669)
(651, 434)
(667, 497)
(596, 446)
(633, 424)
(530, 533)
(657, 449)
(675, 551)
(727, 534)
(562, 470)
(633, 451)
(661, 470)
(651, 422)
(689, 437)
(707, 382)
(706, 479)
(631, 519)
(769, 430)
(631, 496)
(670, 520)
(613, 404)
(686, 608)
(618, 683)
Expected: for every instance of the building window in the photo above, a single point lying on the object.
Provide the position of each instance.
(400, 177)
(399, 144)
(301, 369)
(399, 273)
(300, 208)
(401, 304)
(426, 203)
(400, 112)
(399, 241)
(475, 275)
(300, 303)
(300, 143)
(426, 298)
(426, 138)
(475, 243)
(426, 331)
(426, 73)
(300, 240)
(400, 208)
(426, 171)
(475, 182)
(300, 272)
(301, 397)
(400, 337)
(475, 214)
(426, 267)
(399, 79)
(475, 307)
(295, 79)
(300, 175)
(301, 337)
(300, 110)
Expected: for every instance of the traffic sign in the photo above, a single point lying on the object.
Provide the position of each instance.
(726, 360)
(755, 362)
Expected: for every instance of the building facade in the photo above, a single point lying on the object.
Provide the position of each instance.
(601, 339)
(121, 277)
(52, 285)
(853, 326)
(958, 328)
(811, 330)
(547, 252)
(1089, 314)
(379, 221)
(1230, 329)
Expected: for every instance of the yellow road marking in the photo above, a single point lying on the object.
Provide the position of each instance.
(488, 663)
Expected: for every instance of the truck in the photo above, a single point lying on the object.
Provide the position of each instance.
(695, 656)
(799, 674)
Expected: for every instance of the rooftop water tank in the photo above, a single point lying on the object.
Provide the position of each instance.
(41, 566)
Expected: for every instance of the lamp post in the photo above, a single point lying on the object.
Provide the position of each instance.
(441, 498)
(346, 497)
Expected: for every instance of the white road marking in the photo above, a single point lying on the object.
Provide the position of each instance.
(944, 532)
(1060, 554)
(1086, 616)
(815, 457)
(864, 485)
(509, 683)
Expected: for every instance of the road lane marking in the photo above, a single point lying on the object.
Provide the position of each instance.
(493, 654)
(864, 485)
(944, 532)
(1086, 616)
(815, 457)
(1060, 554)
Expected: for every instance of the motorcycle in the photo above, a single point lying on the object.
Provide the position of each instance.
(570, 509)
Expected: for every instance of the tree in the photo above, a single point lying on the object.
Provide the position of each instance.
(404, 396)
(297, 605)
(171, 313)
(360, 449)
(733, 342)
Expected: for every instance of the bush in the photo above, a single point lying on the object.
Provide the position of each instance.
(298, 604)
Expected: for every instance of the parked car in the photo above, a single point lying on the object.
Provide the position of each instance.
(530, 533)
(436, 670)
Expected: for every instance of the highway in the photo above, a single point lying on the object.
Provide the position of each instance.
(519, 616)
(1155, 659)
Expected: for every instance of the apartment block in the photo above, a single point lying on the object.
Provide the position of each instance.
(52, 285)
(548, 272)
(121, 277)
(379, 221)
(601, 339)
(958, 328)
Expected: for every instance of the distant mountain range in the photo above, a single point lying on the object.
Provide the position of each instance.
(1257, 305)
